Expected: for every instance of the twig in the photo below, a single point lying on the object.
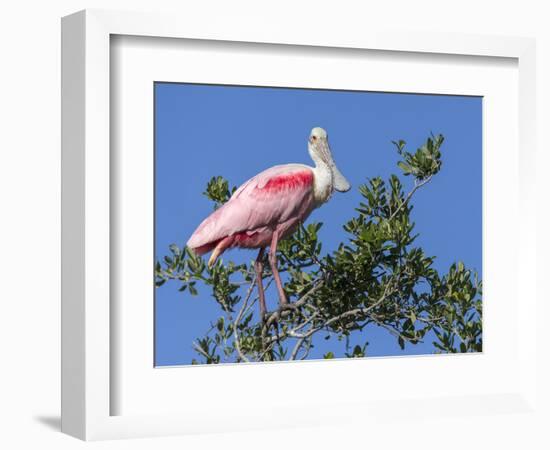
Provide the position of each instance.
(296, 349)
(409, 195)
(238, 319)
(308, 348)
(285, 310)
(393, 331)
(303, 324)
(298, 346)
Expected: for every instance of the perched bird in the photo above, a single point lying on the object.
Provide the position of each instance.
(269, 207)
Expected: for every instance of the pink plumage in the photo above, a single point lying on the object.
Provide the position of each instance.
(268, 208)
(278, 198)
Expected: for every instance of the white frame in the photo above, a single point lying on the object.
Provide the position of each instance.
(139, 387)
(86, 246)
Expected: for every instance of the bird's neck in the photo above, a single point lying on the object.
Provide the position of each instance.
(322, 181)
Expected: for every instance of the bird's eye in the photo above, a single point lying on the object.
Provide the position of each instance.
(314, 138)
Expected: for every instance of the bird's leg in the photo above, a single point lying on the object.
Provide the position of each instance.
(273, 262)
(259, 268)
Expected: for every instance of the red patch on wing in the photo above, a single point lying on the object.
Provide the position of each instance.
(290, 181)
(255, 239)
(244, 239)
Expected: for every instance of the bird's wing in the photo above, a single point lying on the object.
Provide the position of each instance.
(272, 197)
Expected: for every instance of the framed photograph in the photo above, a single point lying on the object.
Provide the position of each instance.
(265, 215)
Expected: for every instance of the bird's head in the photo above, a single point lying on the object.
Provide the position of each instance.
(319, 151)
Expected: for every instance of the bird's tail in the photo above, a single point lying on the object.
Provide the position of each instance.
(221, 246)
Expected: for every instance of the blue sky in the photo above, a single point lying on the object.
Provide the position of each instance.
(204, 131)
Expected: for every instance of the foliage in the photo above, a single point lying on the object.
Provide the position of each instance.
(376, 277)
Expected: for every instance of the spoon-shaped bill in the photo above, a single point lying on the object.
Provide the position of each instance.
(340, 182)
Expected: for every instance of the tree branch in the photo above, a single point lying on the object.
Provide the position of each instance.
(285, 310)
(363, 311)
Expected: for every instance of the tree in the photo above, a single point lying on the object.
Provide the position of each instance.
(376, 277)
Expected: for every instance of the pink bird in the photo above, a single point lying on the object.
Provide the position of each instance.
(269, 207)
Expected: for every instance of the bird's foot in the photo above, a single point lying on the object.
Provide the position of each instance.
(283, 301)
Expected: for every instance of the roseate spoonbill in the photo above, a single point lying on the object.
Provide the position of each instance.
(269, 207)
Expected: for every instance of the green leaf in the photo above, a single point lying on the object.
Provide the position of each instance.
(174, 249)
(406, 168)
